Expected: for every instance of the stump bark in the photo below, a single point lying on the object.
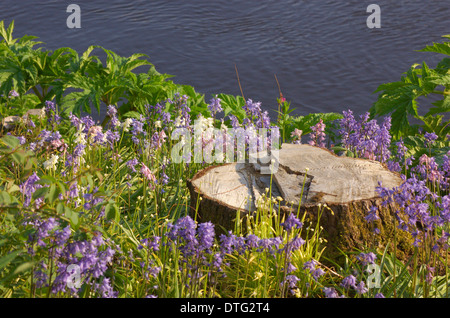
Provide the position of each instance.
(306, 178)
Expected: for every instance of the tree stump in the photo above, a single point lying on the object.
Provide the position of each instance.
(306, 178)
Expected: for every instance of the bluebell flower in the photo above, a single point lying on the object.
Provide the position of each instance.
(12, 94)
(430, 138)
(234, 121)
(291, 281)
(372, 215)
(152, 244)
(251, 241)
(105, 289)
(316, 273)
(310, 265)
(132, 163)
(349, 281)
(367, 258)
(361, 288)
(40, 275)
(291, 222)
(206, 235)
(52, 114)
(214, 106)
(330, 292)
(296, 243)
(252, 108)
(28, 187)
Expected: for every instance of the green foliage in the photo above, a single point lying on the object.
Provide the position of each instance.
(401, 99)
(306, 122)
(285, 121)
(233, 105)
(416, 148)
(81, 82)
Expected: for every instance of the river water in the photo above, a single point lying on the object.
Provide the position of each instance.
(323, 54)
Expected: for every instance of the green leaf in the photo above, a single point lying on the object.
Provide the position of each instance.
(22, 268)
(20, 156)
(73, 217)
(233, 105)
(441, 106)
(10, 141)
(306, 122)
(53, 193)
(41, 192)
(7, 34)
(60, 208)
(132, 114)
(5, 198)
(112, 212)
(441, 48)
(5, 260)
(441, 80)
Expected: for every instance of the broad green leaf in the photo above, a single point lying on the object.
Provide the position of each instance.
(10, 141)
(305, 123)
(5, 260)
(442, 48)
(53, 193)
(73, 217)
(441, 80)
(132, 114)
(41, 192)
(22, 268)
(112, 212)
(5, 198)
(7, 33)
(20, 156)
(60, 208)
(46, 179)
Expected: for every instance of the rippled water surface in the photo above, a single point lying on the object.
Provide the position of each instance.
(322, 52)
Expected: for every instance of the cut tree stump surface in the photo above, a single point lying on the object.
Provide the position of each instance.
(318, 174)
(334, 179)
(307, 176)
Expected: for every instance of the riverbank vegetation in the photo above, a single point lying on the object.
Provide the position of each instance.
(98, 209)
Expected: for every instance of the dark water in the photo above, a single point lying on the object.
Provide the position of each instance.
(322, 52)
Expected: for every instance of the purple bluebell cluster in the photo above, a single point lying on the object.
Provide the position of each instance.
(196, 245)
(420, 211)
(91, 257)
(367, 258)
(214, 106)
(51, 112)
(256, 115)
(364, 137)
(28, 188)
(193, 241)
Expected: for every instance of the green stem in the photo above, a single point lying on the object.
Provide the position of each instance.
(38, 94)
(395, 255)
(441, 92)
